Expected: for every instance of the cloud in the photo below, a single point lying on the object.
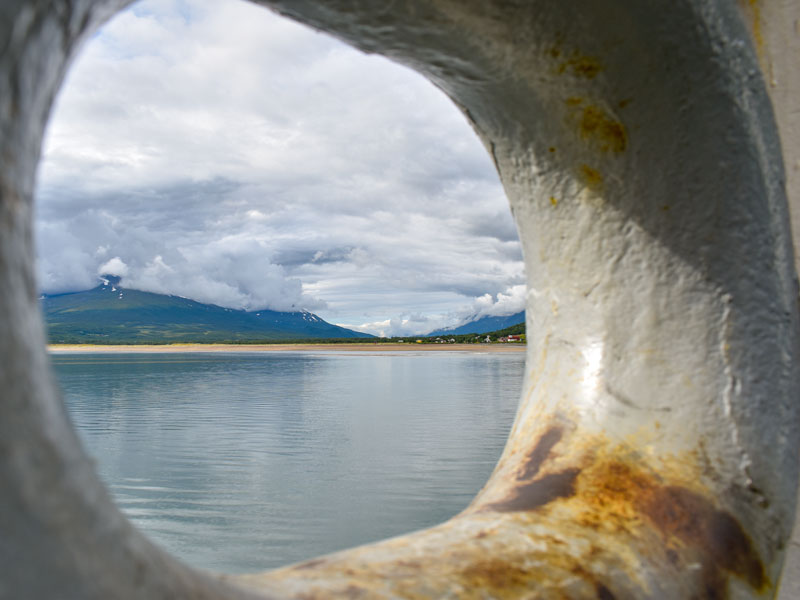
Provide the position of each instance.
(401, 326)
(227, 272)
(501, 304)
(222, 153)
(404, 324)
(115, 266)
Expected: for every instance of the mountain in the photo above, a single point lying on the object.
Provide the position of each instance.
(110, 314)
(483, 325)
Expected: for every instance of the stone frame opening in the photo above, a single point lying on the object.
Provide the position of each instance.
(638, 147)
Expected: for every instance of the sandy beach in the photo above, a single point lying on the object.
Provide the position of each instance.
(361, 347)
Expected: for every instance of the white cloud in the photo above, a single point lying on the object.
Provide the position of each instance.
(222, 153)
(115, 266)
(501, 304)
(401, 326)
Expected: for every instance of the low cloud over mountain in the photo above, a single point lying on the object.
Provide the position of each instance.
(211, 149)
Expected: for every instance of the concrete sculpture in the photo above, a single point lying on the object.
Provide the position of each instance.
(654, 453)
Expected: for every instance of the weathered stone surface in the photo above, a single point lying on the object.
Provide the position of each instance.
(655, 449)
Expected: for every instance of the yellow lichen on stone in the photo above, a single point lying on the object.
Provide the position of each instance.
(600, 127)
(581, 66)
(752, 11)
(596, 125)
(592, 178)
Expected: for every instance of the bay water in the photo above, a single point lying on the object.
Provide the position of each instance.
(240, 462)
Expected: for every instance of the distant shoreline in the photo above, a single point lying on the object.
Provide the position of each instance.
(363, 347)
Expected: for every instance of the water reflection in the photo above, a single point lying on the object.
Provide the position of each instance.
(242, 462)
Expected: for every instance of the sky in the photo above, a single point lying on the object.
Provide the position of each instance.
(213, 150)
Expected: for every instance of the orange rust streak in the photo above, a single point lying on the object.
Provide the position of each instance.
(622, 495)
(540, 452)
(530, 496)
(592, 178)
(692, 519)
(752, 9)
(581, 66)
(496, 574)
(606, 131)
(612, 491)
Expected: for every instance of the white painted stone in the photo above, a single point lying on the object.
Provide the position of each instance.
(638, 148)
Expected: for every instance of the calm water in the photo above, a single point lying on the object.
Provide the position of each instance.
(242, 462)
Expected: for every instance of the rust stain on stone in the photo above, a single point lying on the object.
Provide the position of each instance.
(495, 574)
(603, 593)
(596, 125)
(591, 177)
(530, 495)
(615, 494)
(601, 128)
(578, 65)
(691, 527)
(537, 493)
(752, 12)
(540, 452)
(689, 517)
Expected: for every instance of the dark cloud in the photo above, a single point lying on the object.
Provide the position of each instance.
(210, 149)
(499, 226)
(296, 257)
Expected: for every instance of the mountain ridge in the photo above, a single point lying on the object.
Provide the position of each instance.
(110, 314)
(482, 325)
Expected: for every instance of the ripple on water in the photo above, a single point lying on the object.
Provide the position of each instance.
(242, 462)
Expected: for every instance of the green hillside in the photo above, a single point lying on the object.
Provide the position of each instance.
(109, 314)
(466, 338)
(483, 325)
